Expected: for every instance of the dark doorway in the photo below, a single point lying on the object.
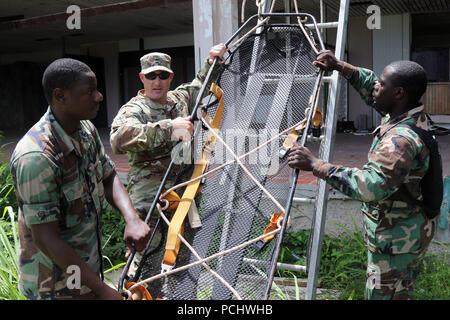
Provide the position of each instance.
(98, 66)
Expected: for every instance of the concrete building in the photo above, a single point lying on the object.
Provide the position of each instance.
(111, 35)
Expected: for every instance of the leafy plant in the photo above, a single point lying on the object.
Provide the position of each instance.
(343, 260)
(7, 196)
(343, 265)
(9, 253)
(433, 281)
(112, 239)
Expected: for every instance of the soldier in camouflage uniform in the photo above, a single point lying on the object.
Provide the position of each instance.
(149, 126)
(61, 176)
(397, 230)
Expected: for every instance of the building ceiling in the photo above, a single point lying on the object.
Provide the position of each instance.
(388, 7)
(33, 25)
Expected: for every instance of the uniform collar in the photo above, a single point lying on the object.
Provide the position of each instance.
(75, 141)
(417, 113)
(154, 105)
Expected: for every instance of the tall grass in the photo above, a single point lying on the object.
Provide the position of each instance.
(9, 253)
(344, 261)
(433, 282)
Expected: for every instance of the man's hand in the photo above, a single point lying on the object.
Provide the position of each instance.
(301, 158)
(217, 51)
(136, 235)
(327, 61)
(47, 239)
(182, 129)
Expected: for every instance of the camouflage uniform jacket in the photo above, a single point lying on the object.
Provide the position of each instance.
(142, 128)
(58, 177)
(397, 161)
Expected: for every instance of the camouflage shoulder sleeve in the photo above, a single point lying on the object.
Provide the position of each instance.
(106, 162)
(388, 166)
(189, 91)
(364, 84)
(131, 133)
(34, 178)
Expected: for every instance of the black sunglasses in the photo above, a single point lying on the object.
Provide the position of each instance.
(163, 75)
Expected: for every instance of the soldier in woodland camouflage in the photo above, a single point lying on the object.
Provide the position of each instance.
(397, 231)
(149, 126)
(62, 176)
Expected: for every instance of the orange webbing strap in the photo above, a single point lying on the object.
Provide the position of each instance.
(272, 226)
(173, 199)
(139, 292)
(317, 119)
(295, 133)
(177, 222)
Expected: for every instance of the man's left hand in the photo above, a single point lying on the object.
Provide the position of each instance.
(217, 51)
(137, 234)
(301, 158)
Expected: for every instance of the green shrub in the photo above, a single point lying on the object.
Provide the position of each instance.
(113, 227)
(342, 265)
(7, 195)
(433, 281)
(344, 260)
(9, 257)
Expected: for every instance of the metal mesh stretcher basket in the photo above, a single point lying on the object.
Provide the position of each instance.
(268, 82)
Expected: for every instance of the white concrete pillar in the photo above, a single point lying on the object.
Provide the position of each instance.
(110, 53)
(390, 43)
(215, 21)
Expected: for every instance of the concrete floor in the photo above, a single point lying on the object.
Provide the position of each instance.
(349, 150)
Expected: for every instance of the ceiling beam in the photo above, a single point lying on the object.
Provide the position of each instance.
(88, 12)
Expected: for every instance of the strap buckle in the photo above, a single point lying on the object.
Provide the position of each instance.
(282, 152)
(166, 267)
(258, 245)
(207, 148)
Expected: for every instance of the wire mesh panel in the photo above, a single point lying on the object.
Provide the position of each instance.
(267, 80)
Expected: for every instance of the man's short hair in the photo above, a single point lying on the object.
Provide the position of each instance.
(62, 73)
(411, 76)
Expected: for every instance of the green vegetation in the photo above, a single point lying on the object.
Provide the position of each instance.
(9, 252)
(343, 260)
(433, 283)
(343, 266)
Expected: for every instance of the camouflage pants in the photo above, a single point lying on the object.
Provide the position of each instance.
(391, 277)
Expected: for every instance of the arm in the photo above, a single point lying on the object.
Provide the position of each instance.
(137, 232)
(189, 91)
(38, 193)
(131, 133)
(363, 80)
(386, 170)
(47, 239)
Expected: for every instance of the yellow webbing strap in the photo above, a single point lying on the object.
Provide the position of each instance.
(295, 133)
(177, 222)
(139, 292)
(272, 226)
